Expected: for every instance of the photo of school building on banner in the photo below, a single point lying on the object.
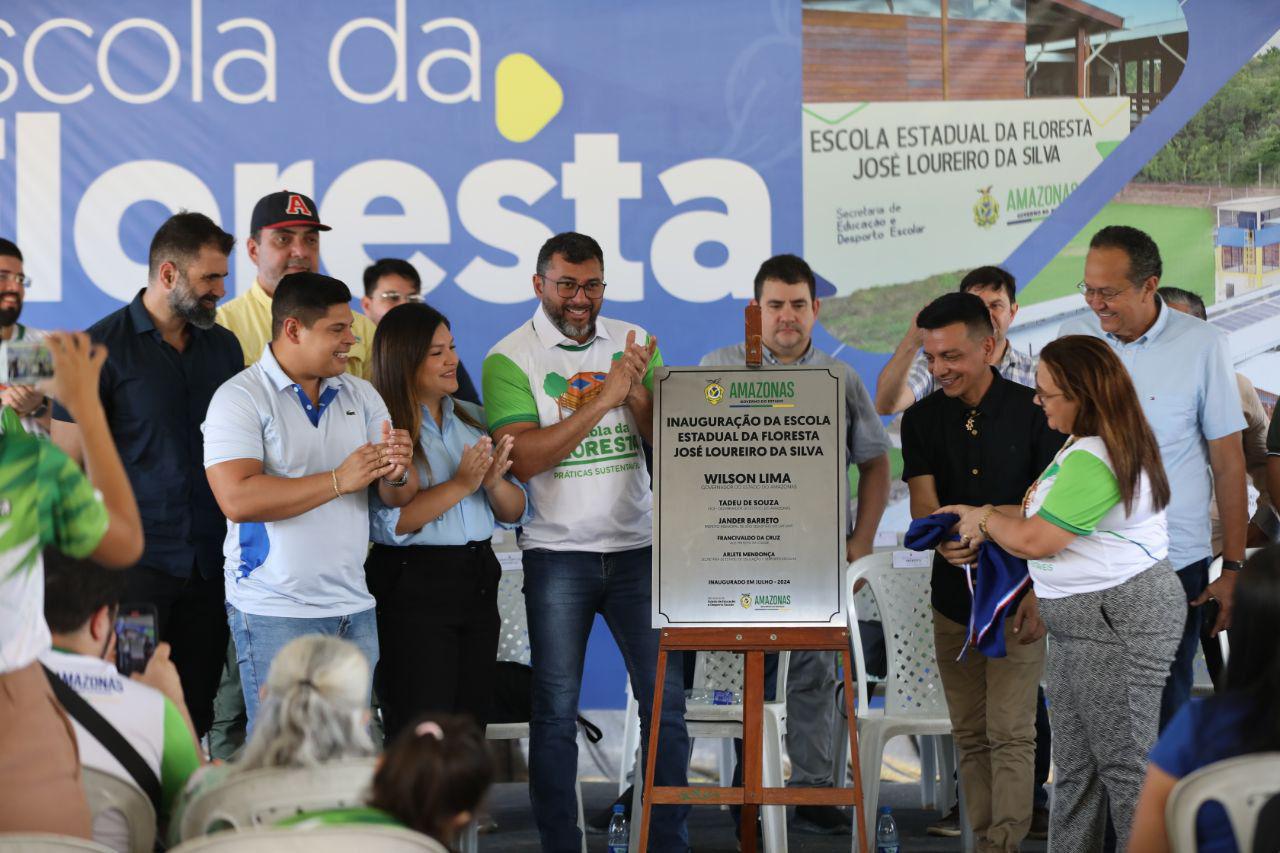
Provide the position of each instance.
(896, 192)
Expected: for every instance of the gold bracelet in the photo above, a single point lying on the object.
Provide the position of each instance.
(982, 522)
(336, 490)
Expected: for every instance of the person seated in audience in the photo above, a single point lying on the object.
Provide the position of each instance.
(314, 709)
(431, 780)
(81, 600)
(1243, 719)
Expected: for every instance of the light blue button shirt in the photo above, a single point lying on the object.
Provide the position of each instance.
(469, 520)
(1181, 369)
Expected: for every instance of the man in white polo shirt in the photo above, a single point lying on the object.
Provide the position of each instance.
(291, 446)
(573, 389)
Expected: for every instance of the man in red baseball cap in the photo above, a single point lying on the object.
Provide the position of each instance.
(284, 237)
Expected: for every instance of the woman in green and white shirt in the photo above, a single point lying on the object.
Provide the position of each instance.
(1092, 529)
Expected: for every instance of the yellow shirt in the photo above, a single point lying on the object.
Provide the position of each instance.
(249, 317)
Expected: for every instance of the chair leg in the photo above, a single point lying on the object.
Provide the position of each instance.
(727, 761)
(630, 743)
(470, 838)
(928, 772)
(773, 818)
(871, 749)
(946, 752)
(582, 823)
(636, 789)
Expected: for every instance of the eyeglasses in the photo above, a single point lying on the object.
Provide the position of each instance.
(396, 298)
(15, 277)
(567, 288)
(1106, 294)
(1040, 396)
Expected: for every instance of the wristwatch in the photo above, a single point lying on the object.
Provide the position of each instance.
(41, 410)
(1232, 565)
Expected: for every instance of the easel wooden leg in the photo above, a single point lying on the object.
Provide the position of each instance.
(859, 808)
(651, 756)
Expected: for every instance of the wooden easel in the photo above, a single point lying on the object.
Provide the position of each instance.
(753, 643)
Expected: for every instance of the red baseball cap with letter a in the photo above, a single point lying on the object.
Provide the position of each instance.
(285, 209)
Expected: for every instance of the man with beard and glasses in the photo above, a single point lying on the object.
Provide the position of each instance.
(31, 405)
(165, 359)
(574, 390)
(284, 238)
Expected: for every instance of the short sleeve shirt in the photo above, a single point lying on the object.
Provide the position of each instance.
(311, 565)
(155, 398)
(1019, 367)
(1079, 493)
(44, 500)
(1202, 732)
(249, 317)
(986, 454)
(598, 497)
(147, 719)
(1181, 369)
(470, 519)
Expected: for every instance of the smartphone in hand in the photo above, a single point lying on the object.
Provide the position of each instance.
(136, 637)
(27, 362)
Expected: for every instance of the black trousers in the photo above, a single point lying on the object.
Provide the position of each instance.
(193, 621)
(438, 627)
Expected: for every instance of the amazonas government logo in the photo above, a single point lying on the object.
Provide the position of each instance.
(745, 601)
(714, 392)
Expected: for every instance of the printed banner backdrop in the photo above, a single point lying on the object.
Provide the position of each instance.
(897, 192)
(459, 135)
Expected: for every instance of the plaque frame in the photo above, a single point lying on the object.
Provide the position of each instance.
(828, 526)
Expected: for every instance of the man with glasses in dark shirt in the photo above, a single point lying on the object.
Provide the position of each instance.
(979, 438)
(165, 359)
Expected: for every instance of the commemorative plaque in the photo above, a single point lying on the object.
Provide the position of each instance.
(750, 494)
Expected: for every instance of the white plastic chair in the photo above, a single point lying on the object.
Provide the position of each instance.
(914, 702)
(39, 842)
(263, 798)
(108, 793)
(513, 645)
(1242, 785)
(329, 839)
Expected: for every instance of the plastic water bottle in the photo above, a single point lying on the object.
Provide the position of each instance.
(620, 833)
(886, 832)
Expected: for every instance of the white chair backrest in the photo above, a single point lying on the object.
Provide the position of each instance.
(913, 686)
(259, 798)
(328, 839)
(724, 671)
(1243, 785)
(42, 843)
(513, 641)
(108, 793)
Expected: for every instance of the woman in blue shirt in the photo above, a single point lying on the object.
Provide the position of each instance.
(431, 567)
(1244, 718)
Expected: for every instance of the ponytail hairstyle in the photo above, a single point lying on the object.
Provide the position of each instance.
(315, 706)
(435, 770)
(401, 345)
(1090, 375)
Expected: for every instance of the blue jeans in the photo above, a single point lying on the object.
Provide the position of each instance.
(1177, 689)
(563, 591)
(259, 638)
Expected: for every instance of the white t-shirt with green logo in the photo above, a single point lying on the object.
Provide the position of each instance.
(598, 497)
(1079, 493)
